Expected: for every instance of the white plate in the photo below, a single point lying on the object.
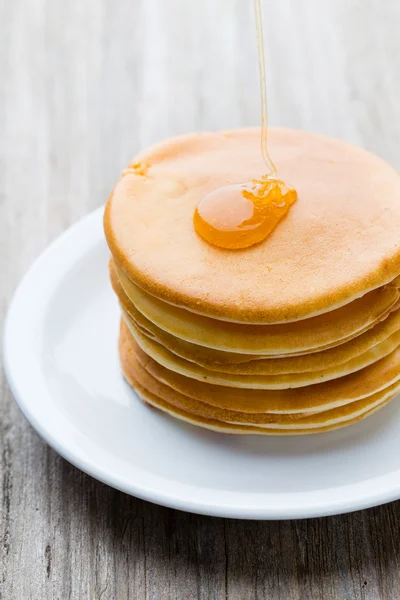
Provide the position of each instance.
(60, 350)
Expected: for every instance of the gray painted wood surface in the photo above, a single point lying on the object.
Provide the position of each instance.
(83, 86)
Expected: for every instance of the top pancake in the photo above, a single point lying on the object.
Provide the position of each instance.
(339, 240)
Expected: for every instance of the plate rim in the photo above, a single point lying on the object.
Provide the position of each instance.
(264, 511)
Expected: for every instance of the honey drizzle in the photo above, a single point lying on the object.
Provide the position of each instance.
(263, 90)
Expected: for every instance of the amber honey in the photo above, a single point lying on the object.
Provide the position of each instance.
(238, 216)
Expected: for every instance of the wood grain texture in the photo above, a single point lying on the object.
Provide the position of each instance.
(83, 86)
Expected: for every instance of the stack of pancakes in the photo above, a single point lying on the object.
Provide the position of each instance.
(298, 334)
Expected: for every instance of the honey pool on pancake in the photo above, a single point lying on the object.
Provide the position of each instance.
(240, 215)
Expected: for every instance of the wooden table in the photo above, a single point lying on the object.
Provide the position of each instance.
(83, 86)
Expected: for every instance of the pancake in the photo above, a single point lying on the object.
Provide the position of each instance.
(273, 421)
(339, 241)
(312, 398)
(272, 382)
(319, 332)
(229, 362)
(221, 427)
(163, 397)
